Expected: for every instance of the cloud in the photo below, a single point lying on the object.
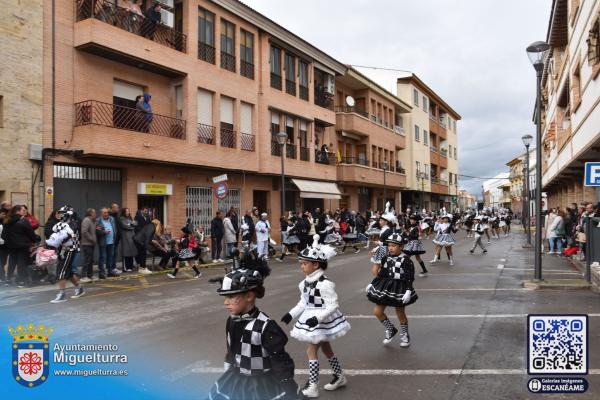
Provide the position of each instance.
(471, 52)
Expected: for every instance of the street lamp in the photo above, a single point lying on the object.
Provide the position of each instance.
(537, 52)
(281, 140)
(385, 167)
(421, 175)
(527, 139)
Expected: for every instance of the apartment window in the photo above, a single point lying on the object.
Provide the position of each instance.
(425, 138)
(303, 79)
(418, 164)
(205, 129)
(290, 74)
(576, 88)
(449, 123)
(416, 97)
(227, 45)
(290, 147)
(276, 67)
(416, 133)
(227, 132)
(593, 41)
(1, 111)
(425, 104)
(206, 35)
(275, 129)
(455, 153)
(303, 140)
(450, 150)
(246, 54)
(246, 136)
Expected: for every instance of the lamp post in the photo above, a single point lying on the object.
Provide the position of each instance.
(281, 140)
(421, 175)
(537, 55)
(527, 142)
(385, 167)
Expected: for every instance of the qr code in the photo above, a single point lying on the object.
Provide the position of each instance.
(557, 344)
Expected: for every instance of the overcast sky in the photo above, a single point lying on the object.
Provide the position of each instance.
(471, 52)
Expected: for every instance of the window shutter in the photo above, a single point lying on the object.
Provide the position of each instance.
(227, 110)
(205, 107)
(246, 118)
(127, 91)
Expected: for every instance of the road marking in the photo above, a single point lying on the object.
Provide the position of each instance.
(433, 316)
(144, 281)
(500, 266)
(397, 372)
(503, 259)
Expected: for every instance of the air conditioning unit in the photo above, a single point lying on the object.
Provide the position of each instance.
(329, 84)
(35, 152)
(166, 3)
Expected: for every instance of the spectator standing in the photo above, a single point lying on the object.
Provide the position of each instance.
(53, 219)
(556, 232)
(217, 230)
(263, 230)
(114, 213)
(235, 221)
(142, 218)
(128, 248)
(230, 234)
(20, 237)
(3, 246)
(152, 20)
(250, 223)
(88, 244)
(106, 241)
(142, 239)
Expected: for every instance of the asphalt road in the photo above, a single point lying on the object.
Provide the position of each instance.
(468, 328)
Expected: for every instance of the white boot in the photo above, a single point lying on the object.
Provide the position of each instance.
(336, 382)
(435, 259)
(404, 336)
(451, 261)
(311, 390)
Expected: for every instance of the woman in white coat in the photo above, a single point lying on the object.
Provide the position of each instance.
(230, 236)
(549, 220)
(556, 231)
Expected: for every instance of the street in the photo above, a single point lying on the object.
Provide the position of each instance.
(467, 329)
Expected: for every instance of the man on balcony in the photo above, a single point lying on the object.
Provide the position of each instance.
(145, 109)
(152, 20)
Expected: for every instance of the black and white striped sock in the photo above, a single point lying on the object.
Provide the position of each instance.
(404, 330)
(388, 325)
(313, 371)
(335, 366)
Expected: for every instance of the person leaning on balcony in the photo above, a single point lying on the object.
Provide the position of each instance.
(145, 109)
(153, 18)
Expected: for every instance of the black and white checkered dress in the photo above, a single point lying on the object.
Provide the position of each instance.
(257, 366)
(381, 250)
(444, 236)
(414, 245)
(396, 275)
(318, 299)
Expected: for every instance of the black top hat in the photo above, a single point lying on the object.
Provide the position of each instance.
(240, 281)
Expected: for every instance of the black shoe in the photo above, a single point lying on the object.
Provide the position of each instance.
(471, 251)
(485, 251)
(111, 275)
(389, 335)
(102, 276)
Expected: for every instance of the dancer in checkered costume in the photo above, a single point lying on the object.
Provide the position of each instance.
(257, 367)
(319, 318)
(388, 223)
(415, 246)
(65, 239)
(393, 286)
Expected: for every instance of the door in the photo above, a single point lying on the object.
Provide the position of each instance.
(156, 205)
(259, 200)
(311, 204)
(86, 187)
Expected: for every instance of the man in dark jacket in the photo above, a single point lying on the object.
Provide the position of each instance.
(142, 218)
(152, 20)
(250, 222)
(114, 213)
(19, 239)
(217, 230)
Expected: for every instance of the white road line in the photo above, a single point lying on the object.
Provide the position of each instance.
(500, 266)
(503, 259)
(406, 372)
(433, 316)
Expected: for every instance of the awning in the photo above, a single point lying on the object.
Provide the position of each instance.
(317, 189)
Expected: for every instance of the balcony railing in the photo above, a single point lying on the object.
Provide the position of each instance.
(433, 148)
(275, 148)
(444, 152)
(303, 92)
(355, 110)
(355, 160)
(290, 87)
(325, 157)
(107, 11)
(206, 134)
(206, 52)
(247, 69)
(247, 141)
(228, 138)
(290, 150)
(227, 61)
(435, 179)
(399, 169)
(304, 152)
(324, 99)
(275, 81)
(92, 112)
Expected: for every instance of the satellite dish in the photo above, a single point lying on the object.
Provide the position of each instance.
(350, 101)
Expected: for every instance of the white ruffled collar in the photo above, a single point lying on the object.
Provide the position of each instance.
(314, 276)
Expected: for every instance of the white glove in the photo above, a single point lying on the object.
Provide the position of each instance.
(369, 286)
(406, 297)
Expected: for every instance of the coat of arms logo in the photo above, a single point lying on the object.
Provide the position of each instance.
(30, 354)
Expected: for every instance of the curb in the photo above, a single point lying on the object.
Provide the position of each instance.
(558, 284)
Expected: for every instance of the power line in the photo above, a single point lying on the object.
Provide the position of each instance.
(477, 177)
(382, 68)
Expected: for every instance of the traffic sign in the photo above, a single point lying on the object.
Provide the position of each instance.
(592, 174)
(221, 191)
(220, 178)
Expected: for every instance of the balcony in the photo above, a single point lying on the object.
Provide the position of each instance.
(228, 137)
(290, 87)
(290, 150)
(205, 134)
(304, 92)
(435, 128)
(206, 53)
(357, 170)
(247, 69)
(325, 157)
(323, 99)
(444, 152)
(275, 148)
(92, 112)
(356, 120)
(304, 153)
(106, 11)
(439, 186)
(437, 158)
(228, 61)
(352, 110)
(276, 81)
(248, 141)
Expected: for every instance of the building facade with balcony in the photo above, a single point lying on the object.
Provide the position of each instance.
(370, 138)
(497, 191)
(431, 147)
(223, 80)
(516, 178)
(570, 101)
(21, 103)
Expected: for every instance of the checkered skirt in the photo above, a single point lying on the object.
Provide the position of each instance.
(378, 253)
(389, 292)
(234, 385)
(444, 240)
(414, 247)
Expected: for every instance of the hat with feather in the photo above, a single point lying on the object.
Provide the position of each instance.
(317, 252)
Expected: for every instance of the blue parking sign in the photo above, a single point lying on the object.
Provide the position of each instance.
(592, 174)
